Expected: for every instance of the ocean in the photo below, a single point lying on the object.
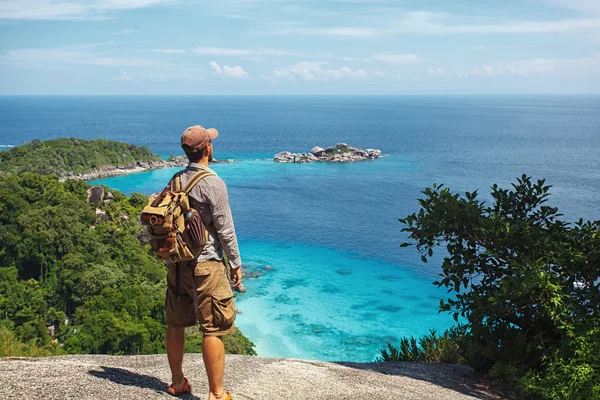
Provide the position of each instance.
(337, 284)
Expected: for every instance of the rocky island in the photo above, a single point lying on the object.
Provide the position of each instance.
(341, 152)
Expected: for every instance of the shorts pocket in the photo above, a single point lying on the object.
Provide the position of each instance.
(223, 308)
(200, 270)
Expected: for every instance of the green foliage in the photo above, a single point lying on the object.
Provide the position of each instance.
(431, 348)
(235, 343)
(70, 155)
(10, 346)
(92, 280)
(527, 284)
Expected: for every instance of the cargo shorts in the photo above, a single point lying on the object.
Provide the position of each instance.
(205, 297)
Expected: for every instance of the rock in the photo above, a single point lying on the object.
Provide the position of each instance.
(283, 154)
(269, 268)
(109, 196)
(241, 288)
(95, 194)
(88, 377)
(252, 275)
(101, 215)
(316, 151)
(341, 152)
(344, 272)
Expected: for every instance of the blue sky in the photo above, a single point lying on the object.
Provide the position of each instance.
(299, 46)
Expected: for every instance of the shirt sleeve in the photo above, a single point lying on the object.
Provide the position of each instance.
(223, 220)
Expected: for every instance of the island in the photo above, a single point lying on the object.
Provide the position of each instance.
(341, 152)
(72, 158)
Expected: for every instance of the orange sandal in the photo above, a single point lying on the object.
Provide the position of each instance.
(185, 389)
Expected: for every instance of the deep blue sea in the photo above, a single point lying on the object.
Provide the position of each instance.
(341, 287)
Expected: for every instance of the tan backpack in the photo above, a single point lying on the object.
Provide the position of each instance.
(177, 232)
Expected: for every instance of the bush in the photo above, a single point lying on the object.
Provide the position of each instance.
(526, 283)
(430, 348)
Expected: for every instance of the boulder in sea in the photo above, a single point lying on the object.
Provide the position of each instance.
(317, 151)
(269, 268)
(241, 288)
(341, 152)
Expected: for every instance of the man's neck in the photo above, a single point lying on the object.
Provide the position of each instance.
(203, 162)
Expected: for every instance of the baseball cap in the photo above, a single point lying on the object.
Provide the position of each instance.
(197, 137)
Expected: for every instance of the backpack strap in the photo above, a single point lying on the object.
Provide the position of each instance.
(195, 179)
(176, 182)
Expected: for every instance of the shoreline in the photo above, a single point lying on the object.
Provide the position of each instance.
(113, 171)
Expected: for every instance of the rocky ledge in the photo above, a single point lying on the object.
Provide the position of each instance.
(341, 152)
(110, 171)
(85, 377)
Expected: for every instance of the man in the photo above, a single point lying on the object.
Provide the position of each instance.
(204, 293)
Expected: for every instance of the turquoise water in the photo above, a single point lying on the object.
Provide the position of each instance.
(341, 286)
(314, 302)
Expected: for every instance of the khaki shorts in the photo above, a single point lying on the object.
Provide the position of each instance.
(204, 296)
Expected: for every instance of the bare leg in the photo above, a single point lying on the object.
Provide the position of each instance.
(175, 342)
(213, 353)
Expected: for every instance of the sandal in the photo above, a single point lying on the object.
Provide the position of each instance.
(185, 389)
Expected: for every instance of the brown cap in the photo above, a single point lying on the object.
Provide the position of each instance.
(197, 137)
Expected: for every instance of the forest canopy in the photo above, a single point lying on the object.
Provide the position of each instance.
(80, 271)
(70, 155)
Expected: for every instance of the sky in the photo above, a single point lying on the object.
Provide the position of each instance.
(255, 47)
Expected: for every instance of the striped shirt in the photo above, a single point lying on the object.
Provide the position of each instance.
(209, 197)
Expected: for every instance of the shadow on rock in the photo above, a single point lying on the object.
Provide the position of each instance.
(128, 378)
(459, 378)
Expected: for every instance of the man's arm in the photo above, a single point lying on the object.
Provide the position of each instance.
(223, 220)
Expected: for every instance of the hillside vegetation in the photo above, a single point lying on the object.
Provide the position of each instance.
(87, 276)
(70, 155)
(525, 284)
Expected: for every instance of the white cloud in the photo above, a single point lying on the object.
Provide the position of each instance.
(169, 51)
(355, 59)
(431, 23)
(314, 71)
(397, 58)
(216, 67)
(68, 9)
(124, 76)
(357, 32)
(436, 71)
(524, 68)
(255, 54)
(566, 68)
(235, 72)
(379, 74)
(44, 57)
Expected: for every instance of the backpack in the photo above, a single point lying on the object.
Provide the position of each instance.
(176, 230)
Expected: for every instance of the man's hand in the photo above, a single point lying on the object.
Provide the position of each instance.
(236, 277)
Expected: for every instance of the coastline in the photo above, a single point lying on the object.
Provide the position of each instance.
(113, 171)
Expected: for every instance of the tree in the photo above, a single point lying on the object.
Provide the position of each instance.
(526, 283)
